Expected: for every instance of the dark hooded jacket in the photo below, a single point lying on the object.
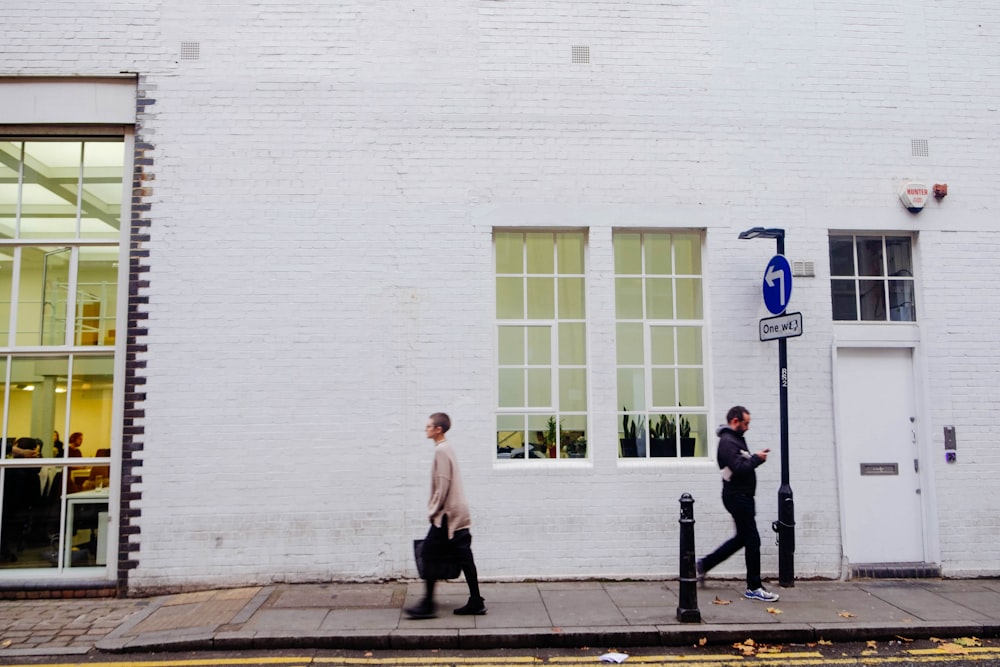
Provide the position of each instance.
(737, 463)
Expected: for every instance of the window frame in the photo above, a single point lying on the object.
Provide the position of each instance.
(857, 278)
(667, 418)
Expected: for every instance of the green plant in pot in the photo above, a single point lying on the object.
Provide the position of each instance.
(663, 437)
(633, 440)
(687, 442)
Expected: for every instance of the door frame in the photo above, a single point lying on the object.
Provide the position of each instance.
(928, 502)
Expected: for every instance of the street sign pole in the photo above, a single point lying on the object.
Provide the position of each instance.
(777, 290)
(785, 526)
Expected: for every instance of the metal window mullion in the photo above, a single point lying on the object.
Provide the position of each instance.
(71, 314)
(79, 190)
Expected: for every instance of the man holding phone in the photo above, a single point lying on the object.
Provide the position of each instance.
(739, 484)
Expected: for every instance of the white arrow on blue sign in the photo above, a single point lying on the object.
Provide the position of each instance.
(777, 285)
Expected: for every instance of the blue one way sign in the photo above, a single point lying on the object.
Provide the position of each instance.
(777, 286)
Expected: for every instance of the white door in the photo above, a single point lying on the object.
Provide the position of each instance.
(877, 450)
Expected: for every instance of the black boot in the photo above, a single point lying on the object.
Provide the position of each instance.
(425, 609)
(474, 607)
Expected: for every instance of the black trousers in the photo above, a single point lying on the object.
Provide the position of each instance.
(460, 548)
(744, 512)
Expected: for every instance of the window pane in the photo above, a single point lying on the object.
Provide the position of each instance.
(541, 299)
(870, 256)
(511, 345)
(628, 298)
(510, 252)
(510, 435)
(38, 400)
(49, 197)
(897, 256)
(511, 388)
(631, 393)
(572, 390)
(541, 253)
(845, 305)
(872, 299)
(539, 387)
(44, 279)
(664, 388)
(572, 344)
(538, 427)
(687, 251)
(841, 256)
(510, 298)
(574, 436)
(539, 346)
(689, 299)
(9, 168)
(693, 431)
(96, 299)
(689, 345)
(103, 164)
(659, 298)
(658, 260)
(569, 248)
(661, 345)
(692, 387)
(628, 259)
(629, 343)
(901, 303)
(90, 402)
(571, 298)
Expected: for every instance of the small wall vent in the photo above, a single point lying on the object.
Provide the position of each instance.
(918, 147)
(581, 54)
(190, 50)
(804, 269)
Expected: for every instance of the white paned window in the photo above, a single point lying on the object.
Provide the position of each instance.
(871, 278)
(541, 345)
(660, 345)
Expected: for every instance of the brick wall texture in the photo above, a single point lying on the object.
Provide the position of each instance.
(328, 175)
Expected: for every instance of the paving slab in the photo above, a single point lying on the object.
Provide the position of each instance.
(922, 603)
(293, 620)
(641, 594)
(569, 607)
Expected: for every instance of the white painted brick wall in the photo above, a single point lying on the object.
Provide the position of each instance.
(328, 176)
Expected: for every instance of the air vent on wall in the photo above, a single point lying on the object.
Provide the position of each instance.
(804, 269)
(581, 54)
(918, 147)
(190, 50)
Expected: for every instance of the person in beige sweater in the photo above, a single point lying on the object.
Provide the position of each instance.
(450, 521)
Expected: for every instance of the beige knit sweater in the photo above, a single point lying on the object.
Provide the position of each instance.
(447, 492)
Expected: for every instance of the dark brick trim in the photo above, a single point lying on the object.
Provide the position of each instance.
(136, 329)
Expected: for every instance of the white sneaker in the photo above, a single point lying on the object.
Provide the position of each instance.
(761, 594)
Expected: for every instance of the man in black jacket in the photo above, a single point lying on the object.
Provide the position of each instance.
(739, 483)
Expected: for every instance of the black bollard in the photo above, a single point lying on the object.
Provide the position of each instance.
(687, 599)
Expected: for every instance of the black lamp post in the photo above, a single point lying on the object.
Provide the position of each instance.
(785, 525)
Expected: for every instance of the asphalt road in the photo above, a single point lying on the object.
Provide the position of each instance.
(897, 653)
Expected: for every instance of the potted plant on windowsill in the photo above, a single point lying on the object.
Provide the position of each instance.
(663, 437)
(687, 442)
(633, 440)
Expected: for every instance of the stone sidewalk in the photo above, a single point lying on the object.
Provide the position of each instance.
(521, 615)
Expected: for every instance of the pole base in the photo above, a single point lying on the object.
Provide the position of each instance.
(688, 615)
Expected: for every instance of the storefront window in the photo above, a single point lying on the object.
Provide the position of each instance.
(60, 213)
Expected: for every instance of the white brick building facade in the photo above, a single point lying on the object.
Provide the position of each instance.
(326, 180)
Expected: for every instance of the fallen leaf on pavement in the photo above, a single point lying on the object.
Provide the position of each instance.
(5, 643)
(747, 648)
(938, 640)
(950, 647)
(773, 610)
(702, 641)
(556, 629)
(824, 642)
(719, 601)
(769, 649)
(846, 614)
(968, 641)
(903, 639)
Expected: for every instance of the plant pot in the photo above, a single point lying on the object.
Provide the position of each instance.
(687, 446)
(662, 448)
(630, 449)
